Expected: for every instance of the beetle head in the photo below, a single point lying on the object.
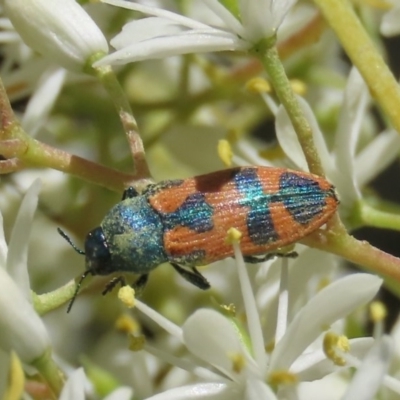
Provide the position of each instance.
(98, 256)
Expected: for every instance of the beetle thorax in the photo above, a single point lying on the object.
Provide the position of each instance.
(134, 234)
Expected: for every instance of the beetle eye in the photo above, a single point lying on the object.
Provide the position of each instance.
(98, 255)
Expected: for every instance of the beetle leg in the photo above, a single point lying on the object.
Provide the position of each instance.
(194, 277)
(140, 284)
(114, 282)
(129, 192)
(269, 256)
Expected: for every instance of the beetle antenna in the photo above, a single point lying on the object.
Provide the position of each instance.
(68, 239)
(78, 287)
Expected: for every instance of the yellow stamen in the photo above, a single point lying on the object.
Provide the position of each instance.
(127, 295)
(282, 378)
(225, 152)
(238, 362)
(233, 236)
(334, 345)
(258, 85)
(298, 86)
(377, 311)
(126, 324)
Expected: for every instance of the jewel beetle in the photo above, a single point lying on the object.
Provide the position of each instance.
(185, 221)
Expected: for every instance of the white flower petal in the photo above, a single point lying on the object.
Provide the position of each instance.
(332, 303)
(74, 388)
(17, 260)
(257, 389)
(60, 30)
(158, 12)
(189, 42)
(351, 113)
(143, 29)
(21, 329)
(331, 387)
(395, 334)
(43, 99)
(390, 25)
(216, 345)
(217, 391)
(230, 21)
(375, 157)
(347, 134)
(306, 273)
(368, 378)
(3, 245)
(257, 18)
(279, 10)
(288, 139)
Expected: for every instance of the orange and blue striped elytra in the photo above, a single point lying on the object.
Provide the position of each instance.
(185, 222)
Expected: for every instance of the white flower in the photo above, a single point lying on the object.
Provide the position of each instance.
(74, 388)
(60, 30)
(166, 33)
(232, 361)
(369, 376)
(21, 329)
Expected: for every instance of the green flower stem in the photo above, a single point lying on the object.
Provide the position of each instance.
(46, 302)
(371, 216)
(270, 59)
(50, 372)
(102, 380)
(364, 55)
(356, 251)
(142, 173)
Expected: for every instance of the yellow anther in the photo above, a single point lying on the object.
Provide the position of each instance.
(136, 343)
(126, 324)
(229, 309)
(225, 152)
(323, 283)
(282, 378)
(298, 86)
(334, 345)
(377, 311)
(127, 295)
(258, 85)
(238, 362)
(233, 236)
(269, 347)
